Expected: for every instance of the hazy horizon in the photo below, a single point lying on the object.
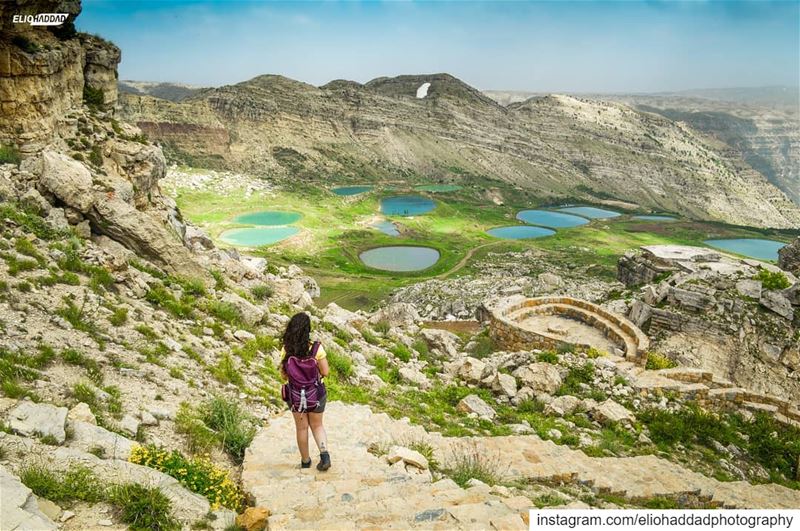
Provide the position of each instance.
(589, 47)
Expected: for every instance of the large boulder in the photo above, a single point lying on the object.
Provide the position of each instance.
(472, 370)
(68, 180)
(502, 384)
(610, 412)
(562, 405)
(441, 340)
(397, 314)
(542, 377)
(475, 404)
(143, 234)
(251, 314)
(29, 419)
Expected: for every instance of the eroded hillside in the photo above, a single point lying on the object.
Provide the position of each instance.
(555, 146)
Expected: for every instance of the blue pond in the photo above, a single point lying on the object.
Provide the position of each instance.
(268, 217)
(752, 247)
(590, 212)
(400, 258)
(351, 190)
(387, 227)
(520, 232)
(257, 236)
(655, 218)
(406, 205)
(547, 218)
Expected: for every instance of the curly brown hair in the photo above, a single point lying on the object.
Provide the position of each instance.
(296, 337)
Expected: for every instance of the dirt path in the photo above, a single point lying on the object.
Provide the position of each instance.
(464, 260)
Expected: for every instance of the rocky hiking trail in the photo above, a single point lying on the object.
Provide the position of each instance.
(364, 491)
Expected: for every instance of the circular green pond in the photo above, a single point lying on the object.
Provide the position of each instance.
(268, 217)
(400, 258)
(257, 236)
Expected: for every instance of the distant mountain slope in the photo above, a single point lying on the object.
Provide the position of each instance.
(167, 91)
(760, 125)
(553, 146)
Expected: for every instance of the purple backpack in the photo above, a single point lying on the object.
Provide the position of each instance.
(305, 389)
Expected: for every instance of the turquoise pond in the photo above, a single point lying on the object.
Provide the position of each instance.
(351, 190)
(257, 236)
(655, 218)
(590, 212)
(400, 258)
(387, 227)
(548, 218)
(268, 217)
(752, 247)
(520, 232)
(406, 205)
(438, 188)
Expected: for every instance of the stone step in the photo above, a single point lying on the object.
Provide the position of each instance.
(362, 491)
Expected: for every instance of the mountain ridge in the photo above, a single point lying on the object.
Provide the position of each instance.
(559, 147)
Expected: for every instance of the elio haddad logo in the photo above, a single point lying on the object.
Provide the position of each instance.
(41, 19)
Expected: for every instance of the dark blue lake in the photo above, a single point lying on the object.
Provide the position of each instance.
(406, 205)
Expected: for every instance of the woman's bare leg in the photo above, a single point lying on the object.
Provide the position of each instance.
(318, 430)
(301, 425)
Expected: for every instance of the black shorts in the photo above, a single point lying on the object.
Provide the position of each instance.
(321, 404)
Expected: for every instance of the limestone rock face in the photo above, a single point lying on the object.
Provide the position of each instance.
(789, 257)
(253, 519)
(100, 67)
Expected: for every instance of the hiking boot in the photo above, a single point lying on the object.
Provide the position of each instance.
(324, 461)
(305, 464)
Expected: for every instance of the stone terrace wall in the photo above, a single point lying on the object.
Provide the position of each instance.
(505, 330)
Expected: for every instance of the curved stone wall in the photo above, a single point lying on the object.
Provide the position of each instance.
(504, 316)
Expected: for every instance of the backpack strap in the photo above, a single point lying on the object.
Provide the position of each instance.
(314, 348)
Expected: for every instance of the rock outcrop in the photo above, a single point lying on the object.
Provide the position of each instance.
(711, 311)
(789, 257)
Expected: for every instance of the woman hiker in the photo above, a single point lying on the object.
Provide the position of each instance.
(304, 365)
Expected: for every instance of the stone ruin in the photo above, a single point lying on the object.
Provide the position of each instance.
(519, 323)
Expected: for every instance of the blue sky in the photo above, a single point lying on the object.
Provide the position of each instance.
(555, 46)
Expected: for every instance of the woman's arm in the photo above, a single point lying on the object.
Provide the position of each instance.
(323, 367)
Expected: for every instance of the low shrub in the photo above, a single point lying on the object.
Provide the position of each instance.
(198, 474)
(224, 311)
(772, 280)
(262, 292)
(402, 352)
(143, 508)
(340, 364)
(226, 371)
(119, 317)
(656, 361)
(466, 464)
(548, 356)
(93, 96)
(582, 374)
(234, 427)
(77, 484)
